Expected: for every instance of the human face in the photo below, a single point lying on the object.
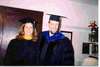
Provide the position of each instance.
(28, 29)
(53, 26)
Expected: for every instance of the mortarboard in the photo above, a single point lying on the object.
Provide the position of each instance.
(55, 17)
(28, 20)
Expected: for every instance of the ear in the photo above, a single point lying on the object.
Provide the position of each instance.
(49, 23)
(59, 26)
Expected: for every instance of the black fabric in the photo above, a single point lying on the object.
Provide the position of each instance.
(22, 52)
(55, 18)
(57, 52)
(28, 20)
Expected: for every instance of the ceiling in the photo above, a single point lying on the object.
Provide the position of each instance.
(91, 2)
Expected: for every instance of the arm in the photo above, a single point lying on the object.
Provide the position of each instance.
(68, 53)
(9, 57)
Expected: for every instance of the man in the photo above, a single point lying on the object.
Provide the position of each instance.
(56, 49)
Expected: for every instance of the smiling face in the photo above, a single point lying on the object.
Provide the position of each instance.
(53, 26)
(28, 29)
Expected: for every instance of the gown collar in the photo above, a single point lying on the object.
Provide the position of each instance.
(55, 37)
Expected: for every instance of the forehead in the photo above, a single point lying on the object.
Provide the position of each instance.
(54, 22)
(28, 24)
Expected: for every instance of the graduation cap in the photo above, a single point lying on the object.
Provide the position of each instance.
(55, 17)
(28, 20)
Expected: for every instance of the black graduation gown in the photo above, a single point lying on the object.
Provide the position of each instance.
(56, 50)
(22, 52)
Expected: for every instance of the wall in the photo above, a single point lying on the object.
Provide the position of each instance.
(78, 18)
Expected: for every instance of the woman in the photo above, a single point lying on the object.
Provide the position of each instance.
(24, 49)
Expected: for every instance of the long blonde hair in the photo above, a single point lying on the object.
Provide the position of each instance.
(21, 33)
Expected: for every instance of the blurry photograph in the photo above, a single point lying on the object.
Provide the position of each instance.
(49, 33)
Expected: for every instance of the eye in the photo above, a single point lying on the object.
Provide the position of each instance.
(31, 27)
(26, 27)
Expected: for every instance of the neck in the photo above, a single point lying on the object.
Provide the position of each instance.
(51, 34)
(28, 37)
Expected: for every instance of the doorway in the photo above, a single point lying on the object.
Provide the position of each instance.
(9, 24)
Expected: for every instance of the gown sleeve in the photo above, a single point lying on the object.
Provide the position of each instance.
(10, 53)
(68, 53)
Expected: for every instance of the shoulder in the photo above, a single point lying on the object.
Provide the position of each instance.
(13, 42)
(63, 38)
(45, 32)
(66, 41)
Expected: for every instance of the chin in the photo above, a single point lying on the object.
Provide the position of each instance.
(28, 34)
(53, 32)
